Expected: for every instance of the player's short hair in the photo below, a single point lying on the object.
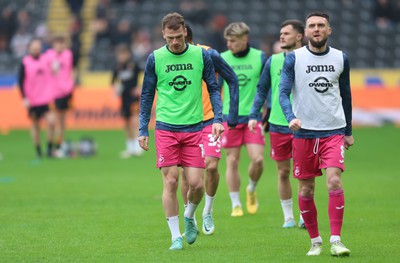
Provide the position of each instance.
(236, 29)
(318, 13)
(189, 36)
(173, 21)
(296, 24)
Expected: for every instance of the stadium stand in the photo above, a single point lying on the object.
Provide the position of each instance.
(353, 22)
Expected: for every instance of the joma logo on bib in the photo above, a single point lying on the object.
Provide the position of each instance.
(179, 83)
(178, 67)
(320, 68)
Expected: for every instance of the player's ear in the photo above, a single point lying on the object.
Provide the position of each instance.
(163, 34)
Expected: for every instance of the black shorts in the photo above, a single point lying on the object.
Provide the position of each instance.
(63, 103)
(129, 105)
(37, 112)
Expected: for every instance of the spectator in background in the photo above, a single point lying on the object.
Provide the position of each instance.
(123, 34)
(102, 30)
(75, 6)
(103, 9)
(24, 21)
(195, 11)
(125, 84)
(19, 42)
(383, 13)
(75, 29)
(216, 32)
(8, 24)
(141, 47)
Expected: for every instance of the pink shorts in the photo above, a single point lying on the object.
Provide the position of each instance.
(242, 135)
(312, 155)
(211, 148)
(281, 146)
(179, 148)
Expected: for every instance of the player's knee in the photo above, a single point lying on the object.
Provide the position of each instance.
(258, 160)
(284, 173)
(334, 182)
(198, 186)
(212, 167)
(306, 190)
(171, 182)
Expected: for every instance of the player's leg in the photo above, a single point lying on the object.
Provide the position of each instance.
(211, 183)
(212, 151)
(332, 158)
(285, 192)
(192, 161)
(167, 152)
(184, 192)
(255, 143)
(50, 117)
(233, 179)
(184, 187)
(135, 127)
(170, 204)
(127, 116)
(35, 132)
(256, 167)
(281, 152)
(306, 168)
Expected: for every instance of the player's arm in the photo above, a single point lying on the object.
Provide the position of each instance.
(215, 95)
(227, 73)
(21, 79)
(263, 88)
(345, 93)
(146, 101)
(285, 89)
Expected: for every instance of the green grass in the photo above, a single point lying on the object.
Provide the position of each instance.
(105, 209)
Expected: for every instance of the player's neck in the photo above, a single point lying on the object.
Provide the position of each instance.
(317, 49)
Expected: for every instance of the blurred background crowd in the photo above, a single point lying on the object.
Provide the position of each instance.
(367, 30)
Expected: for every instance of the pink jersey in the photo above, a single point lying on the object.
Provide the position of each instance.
(36, 81)
(61, 72)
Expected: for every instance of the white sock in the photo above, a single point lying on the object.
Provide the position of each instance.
(189, 212)
(287, 208)
(130, 145)
(317, 239)
(209, 204)
(235, 199)
(173, 224)
(334, 239)
(252, 185)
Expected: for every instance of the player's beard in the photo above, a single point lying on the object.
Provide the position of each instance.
(318, 44)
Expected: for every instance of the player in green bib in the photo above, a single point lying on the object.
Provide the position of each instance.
(291, 36)
(176, 72)
(247, 62)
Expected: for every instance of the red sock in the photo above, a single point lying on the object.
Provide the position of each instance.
(309, 213)
(336, 210)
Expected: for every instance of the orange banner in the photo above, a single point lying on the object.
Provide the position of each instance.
(91, 109)
(99, 108)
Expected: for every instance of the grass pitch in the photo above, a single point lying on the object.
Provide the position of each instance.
(105, 209)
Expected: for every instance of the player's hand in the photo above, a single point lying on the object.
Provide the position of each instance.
(295, 125)
(217, 130)
(144, 142)
(26, 103)
(251, 125)
(348, 141)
